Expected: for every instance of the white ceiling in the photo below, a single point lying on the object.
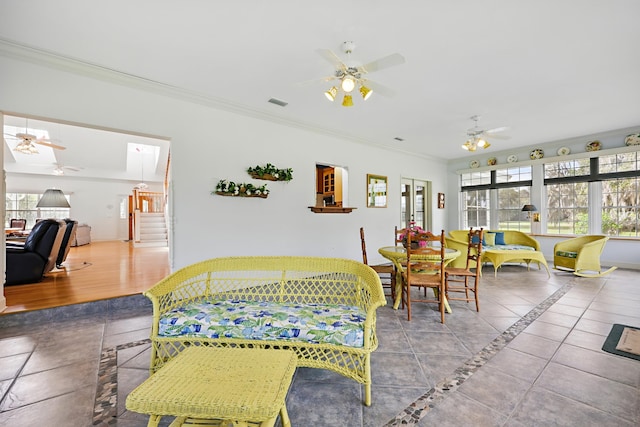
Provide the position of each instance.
(549, 70)
(87, 153)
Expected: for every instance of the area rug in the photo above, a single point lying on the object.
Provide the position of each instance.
(624, 341)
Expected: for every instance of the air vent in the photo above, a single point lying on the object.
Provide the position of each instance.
(278, 102)
(397, 138)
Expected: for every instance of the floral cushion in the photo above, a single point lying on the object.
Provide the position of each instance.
(507, 248)
(317, 323)
(567, 254)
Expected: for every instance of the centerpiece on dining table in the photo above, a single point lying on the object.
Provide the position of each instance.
(413, 230)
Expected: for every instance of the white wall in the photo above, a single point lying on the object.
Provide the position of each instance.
(208, 144)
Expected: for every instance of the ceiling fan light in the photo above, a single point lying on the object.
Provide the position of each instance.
(348, 83)
(26, 147)
(331, 93)
(365, 92)
(347, 101)
(470, 145)
(483, 143)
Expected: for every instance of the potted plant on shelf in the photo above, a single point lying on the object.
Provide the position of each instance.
(230, 188)
(270, 173)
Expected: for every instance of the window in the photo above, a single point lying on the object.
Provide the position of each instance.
(568, 208)
(511, 188)
(572, 185)
(578, 167)
(510, 203)
(621, 207)
(475, 209)
(476, 178)
(23, 205)
(331, 185)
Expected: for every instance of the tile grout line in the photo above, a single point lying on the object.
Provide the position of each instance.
(419, 408)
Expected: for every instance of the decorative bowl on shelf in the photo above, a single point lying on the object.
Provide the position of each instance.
(474, 164)
(536, 154)
(492, 161)
(594, 146)
(564, 151)
(633, 139)
(512, 158)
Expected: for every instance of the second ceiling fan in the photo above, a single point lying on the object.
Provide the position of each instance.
(476, 135)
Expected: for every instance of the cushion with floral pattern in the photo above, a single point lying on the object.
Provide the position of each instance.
(260, 320)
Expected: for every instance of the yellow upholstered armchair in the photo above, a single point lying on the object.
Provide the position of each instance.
(581, 255)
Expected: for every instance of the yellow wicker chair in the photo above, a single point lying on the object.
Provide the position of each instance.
(581, 255)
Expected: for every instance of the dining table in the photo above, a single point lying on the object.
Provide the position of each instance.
(398, 254)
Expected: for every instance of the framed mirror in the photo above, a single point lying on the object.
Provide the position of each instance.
(376, 191)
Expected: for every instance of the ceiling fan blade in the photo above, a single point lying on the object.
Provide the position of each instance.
(386, 62)
(315, 81)
(331, 57)
(73, 168)
(50, 144)
(378, 88)
(492, 136)
(496, 130)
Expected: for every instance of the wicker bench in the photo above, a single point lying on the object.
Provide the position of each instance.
(514, 246)
(324, 309)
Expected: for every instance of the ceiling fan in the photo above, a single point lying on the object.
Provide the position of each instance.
(27, 141)
(476, 136)
(350, 75)
(59, 169)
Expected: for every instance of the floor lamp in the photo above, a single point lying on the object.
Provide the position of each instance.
(529, 209)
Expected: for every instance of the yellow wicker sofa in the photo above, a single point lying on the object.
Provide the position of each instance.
(244, 302)
(581, 255)
(515, 244)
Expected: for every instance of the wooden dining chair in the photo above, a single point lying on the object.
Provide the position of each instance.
(18, 223)
(386, 271)
(425, 269)
(457, 278)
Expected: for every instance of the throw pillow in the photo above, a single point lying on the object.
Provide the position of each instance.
(489, 239)
(475, 240)
(500, 238)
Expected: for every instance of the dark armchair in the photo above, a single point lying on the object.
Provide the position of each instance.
(68, 238)
(29, 262)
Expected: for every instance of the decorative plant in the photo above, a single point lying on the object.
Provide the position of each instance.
(230, 188)
(270, 171)
(414, 230)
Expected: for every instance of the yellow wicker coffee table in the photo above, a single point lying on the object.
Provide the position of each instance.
(209, 386)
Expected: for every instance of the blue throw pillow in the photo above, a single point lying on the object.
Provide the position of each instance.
(475, 240)
(500, 238)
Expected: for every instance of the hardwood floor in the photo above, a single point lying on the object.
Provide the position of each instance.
(92, 272)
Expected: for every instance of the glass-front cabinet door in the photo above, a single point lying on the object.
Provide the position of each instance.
(414, 205)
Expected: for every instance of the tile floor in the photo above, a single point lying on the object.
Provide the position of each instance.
(531, 357)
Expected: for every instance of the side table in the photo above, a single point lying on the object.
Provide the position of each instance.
(211, 386)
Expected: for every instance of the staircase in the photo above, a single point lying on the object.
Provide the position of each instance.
(153, 230)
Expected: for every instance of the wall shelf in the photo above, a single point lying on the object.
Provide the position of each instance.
(330, 209)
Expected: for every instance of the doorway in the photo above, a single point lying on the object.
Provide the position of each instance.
(414, 203)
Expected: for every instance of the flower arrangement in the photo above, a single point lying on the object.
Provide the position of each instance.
(414, 230)
(230, 188)
(271, 173)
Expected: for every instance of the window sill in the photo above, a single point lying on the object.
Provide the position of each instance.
(330, 209)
